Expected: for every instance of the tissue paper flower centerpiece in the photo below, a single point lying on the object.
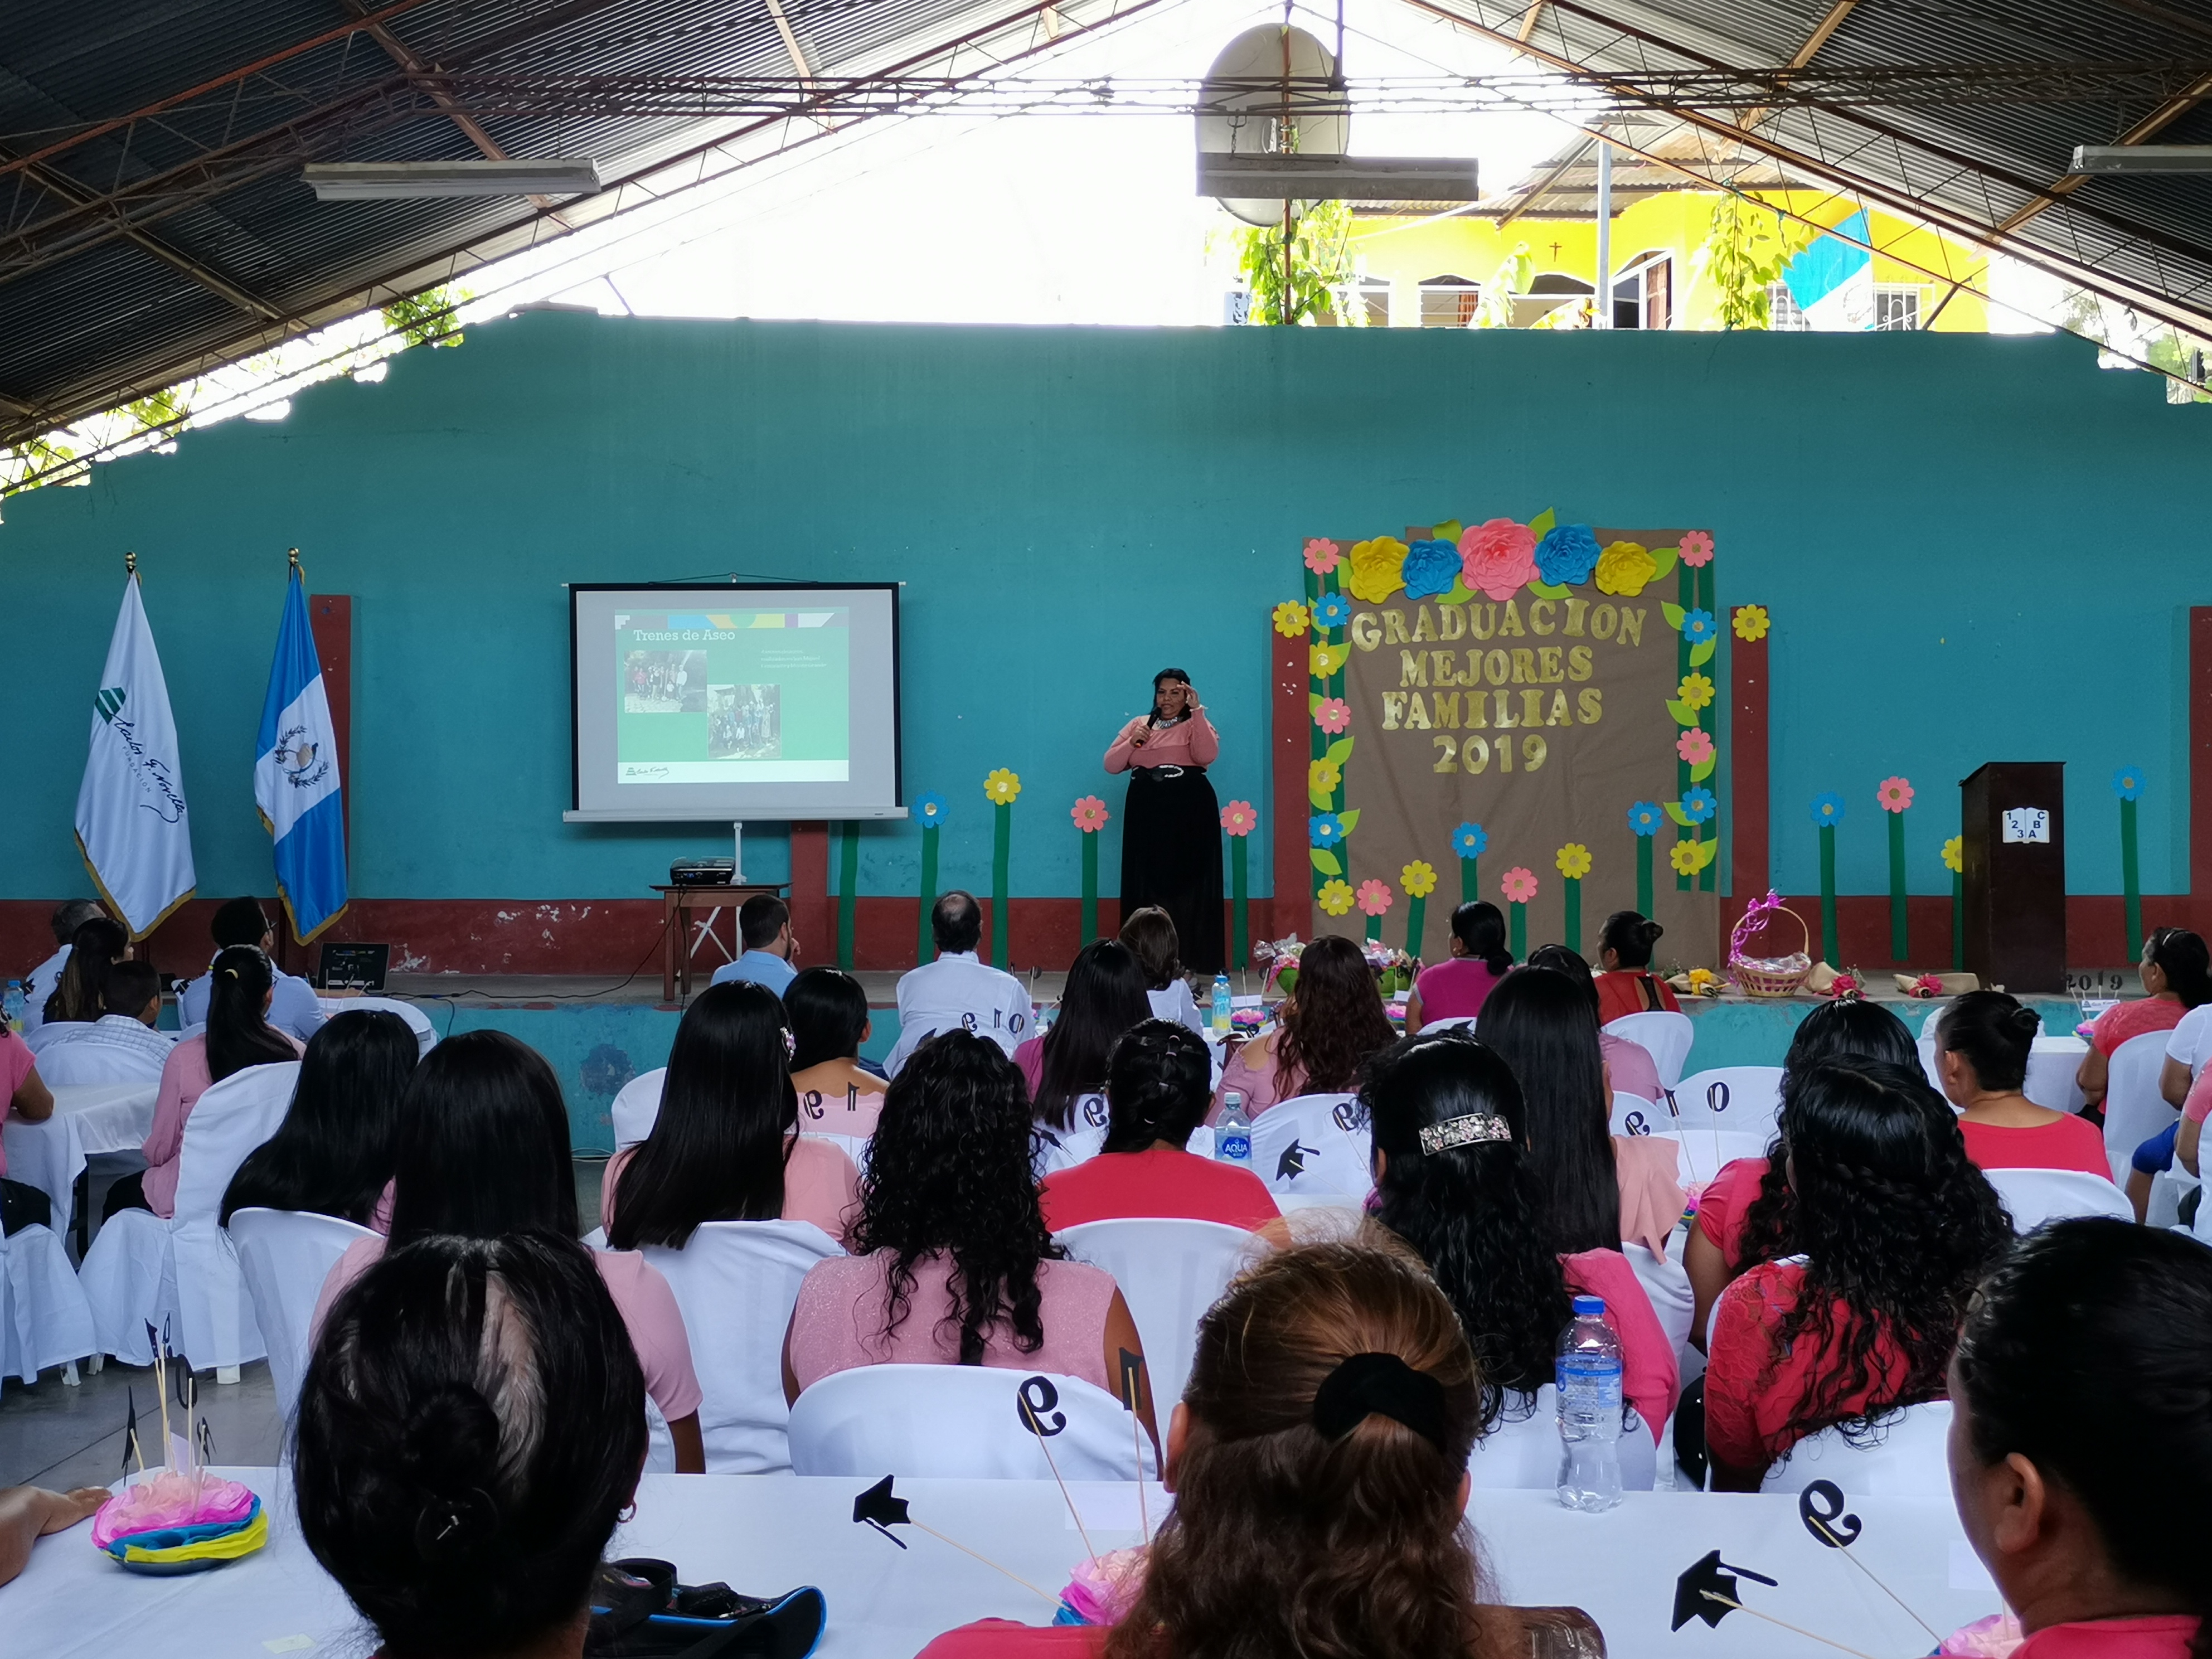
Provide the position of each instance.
(1498, 558)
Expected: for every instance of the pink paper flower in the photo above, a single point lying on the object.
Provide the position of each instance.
(1696, 549)
(1334, 715)
(1519, 885)
(1695, 745)
(1844, 987)
(1895, 794)
(1321, 556)
(1374, 897)
(1498, 558)
(1239, 818)
(1089, 814)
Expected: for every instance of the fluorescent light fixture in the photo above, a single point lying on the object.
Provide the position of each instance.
(411, 182)
(2142, 158)
(1337, 178)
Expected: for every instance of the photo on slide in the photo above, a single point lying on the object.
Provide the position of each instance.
(744, 722)
(664, 682)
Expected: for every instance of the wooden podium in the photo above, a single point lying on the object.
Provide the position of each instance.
(2014, 819)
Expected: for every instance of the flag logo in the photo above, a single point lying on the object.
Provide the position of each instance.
(109, 702)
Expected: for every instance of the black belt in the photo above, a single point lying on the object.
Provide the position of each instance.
(1174, 771)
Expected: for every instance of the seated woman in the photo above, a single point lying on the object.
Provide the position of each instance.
(1104, 997)
(1324, 1031)
(25, 1096)
(80, 997)
(838, 1093)
(2077, 1395)
(1451, 1144)
(1626, 984)
(727, 1145)
(1151, 933)
(1156, 1095)
(1982, 1044)
(483, 1154)
(1595, 1189)
(1629, 1067)
(471, 1426)
(1894, 1229)
(2177, 976)
(1454, 988)
(238, 1035)
(952, 1263)
(338, 1145)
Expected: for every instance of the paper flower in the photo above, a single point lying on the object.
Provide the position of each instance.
(1332, 715)
(1519, 885)
(1705, 982)
(1750, 622)
(1375, 897)
(1469, 839)
(1332, 610)
(1927, 986)
(1322, 556)
(1335, 896)
(1699, 626)
(1645, 818)
(1684, 857)
(1498, 558)
(1322, 776)
(1089, 814)
(1696, 549)
(1239, 818)
(1430, 569)
(1324, 830)
(1002, 787)
(1699, 805)
(930, 808)
(1955, 855)
(1695, 690)
(1377, 568)
(1895, 794)
(1291, 619)
(1624, 568)
(1573, 861)
(1844, 987)
(1419, 878)
(2128, 782)
(1827, 809)
(1567, 555)
(1321, 662)
(1695, 745)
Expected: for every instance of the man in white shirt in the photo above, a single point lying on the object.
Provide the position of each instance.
(40, 982)
(958, 989)
(122, 1045)
(2187, 1048)
(292, 1004)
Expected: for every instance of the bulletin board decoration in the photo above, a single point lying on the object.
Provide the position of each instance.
(1001, 789)
(1895, 797)
(930, 809)
(2128, 783)
(1238, 820)
(1375, 899)
(1573, 863)
(1519, 889)
(1090, 815)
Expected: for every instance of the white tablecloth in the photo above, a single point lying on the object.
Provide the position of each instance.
(765, 1533)
(2052, 1064)
(88, 1118)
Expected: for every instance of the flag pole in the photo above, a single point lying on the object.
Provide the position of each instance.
(130, 564)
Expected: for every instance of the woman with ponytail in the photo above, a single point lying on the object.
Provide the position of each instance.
(1456, 988)
(1982, 1044)
(2177, 976)
(1626, 984)
(80, 996)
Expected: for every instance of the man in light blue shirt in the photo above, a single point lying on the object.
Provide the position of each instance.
(292, 1004)
(764, 938)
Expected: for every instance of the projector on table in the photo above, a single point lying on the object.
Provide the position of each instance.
(702, 872)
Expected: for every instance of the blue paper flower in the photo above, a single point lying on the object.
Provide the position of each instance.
(1430, 569)
(929, 809)
(1332, 610)
(1699, 803)
(1699, 626)
(1324, 829)
(1644, 819)
(2128, 783)
(1828, 809)
(1469, 839)
(1567, 555)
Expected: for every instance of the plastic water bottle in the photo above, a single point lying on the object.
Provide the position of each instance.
(1590, 1410)
(13, 1005)
(1221, 1004)
(1232, 1135)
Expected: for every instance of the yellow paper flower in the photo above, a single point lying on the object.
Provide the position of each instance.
(1002, 787)
(1955, 853)
(1335, 896)
(1322, 776)
(1702, 980)
(1418, 878)
(1573, 861)
(1377, 568)
(1750, 621)
(1318, 662)
(1291, 619)
(1624, 568)
(1684, 858)
(1695, 690)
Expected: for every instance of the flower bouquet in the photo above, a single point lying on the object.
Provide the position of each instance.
(1280, 957)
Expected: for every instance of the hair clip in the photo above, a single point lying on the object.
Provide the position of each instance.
(1474, 1129)
(790, 1043)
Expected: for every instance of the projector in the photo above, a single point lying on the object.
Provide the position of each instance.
(702, 872)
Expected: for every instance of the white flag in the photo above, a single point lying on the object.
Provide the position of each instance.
(131, 826)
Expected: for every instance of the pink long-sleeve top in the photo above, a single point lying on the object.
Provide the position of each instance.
(1193, 742)
(184, 1080)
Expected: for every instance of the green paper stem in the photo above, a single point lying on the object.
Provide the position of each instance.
(1417, 921)
(1375, 928)
(2131, 880)
(1240, 906)
(1002, 835)
(1900, 944)
(1470, 880)
(848, 882)
(1089, 886)
(925, 947)
(1709, 720)
(1518, 924)
(1574, 939)
(1828, 950)
(1959, 923)
(1644, 845)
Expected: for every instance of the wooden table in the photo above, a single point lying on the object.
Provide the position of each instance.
(675, 902)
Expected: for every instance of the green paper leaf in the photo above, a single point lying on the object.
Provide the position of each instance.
(1349, 820)
(1704, 770)
(1338, 752)
(1683, 714)
(1325, 861)
(1449, 531)
(1675, 811)
(1550, 590)
(1664, 558)
(1312, 702)
(1707, 852)
(1460, 594)
(1702, 652)
(1673, 613)
(1323, 800)
(1540, 525)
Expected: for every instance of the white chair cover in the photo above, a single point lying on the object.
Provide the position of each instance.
(1706, 1153)
(1523, 1452)
(1744, 1097)
(1451, 1022)
(1908, 1459)
(45, 1319)
(2134, 1108)
(141, 1269)
(1667, 1285)
(964, 1423)
(426, 1034)
(1078, 1143)
(1935, 1016)
(1632, 1115)
(637, 1107)
(2035, 1196)
(1170, 1272)
(285, 1256)
(1315, 1144)
(736, 1282)
(1666, 1036)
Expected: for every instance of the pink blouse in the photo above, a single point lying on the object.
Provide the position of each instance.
(820, 1185)
(1649, 1374)
(1251, 1073)
(1651, 1197)
(2137, 1017)
(1629, 1066)
(1193, 742)
(184, 1080)
(17, 1063)
(838, 1323)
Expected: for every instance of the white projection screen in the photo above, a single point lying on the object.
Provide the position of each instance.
(734, 703)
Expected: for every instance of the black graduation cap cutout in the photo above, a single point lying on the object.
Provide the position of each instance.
(1293, 1160)
(131, 1430)
(1820, 1507)
(1707, 1591)
(876, 1507)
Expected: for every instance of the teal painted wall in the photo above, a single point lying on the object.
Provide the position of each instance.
(1975, 548)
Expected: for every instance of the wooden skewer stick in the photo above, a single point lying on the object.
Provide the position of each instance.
(1841, 1547)
(1029, 1416)
(1711, 1595)
(985, 1560)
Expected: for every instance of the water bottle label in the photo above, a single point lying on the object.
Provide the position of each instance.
(1232, 1146)
(1589, 1386)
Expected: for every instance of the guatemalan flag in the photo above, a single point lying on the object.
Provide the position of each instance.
(296, 780)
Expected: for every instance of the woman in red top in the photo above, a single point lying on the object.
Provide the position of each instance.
(1627, 985)
(2177, 976)
(1981, 1045)
(1157, 1079)
(1896, 1228)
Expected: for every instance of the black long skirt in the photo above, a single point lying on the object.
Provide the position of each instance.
(1171, 857)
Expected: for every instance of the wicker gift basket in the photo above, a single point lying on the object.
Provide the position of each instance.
(1769, 975)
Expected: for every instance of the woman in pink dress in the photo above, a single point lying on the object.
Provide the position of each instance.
(1172, 824)
(2177, 976)
(839, 1093)
(1324, 1031)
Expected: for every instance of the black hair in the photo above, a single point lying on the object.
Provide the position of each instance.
(956, 922)
(760, 919)
(1481, 926)
(1993, 1034)
(829, 1013)
(1897, 1226)
(1562, 960)
(1151, 933)
(483, 1143)
(130, 986)
(1152, 715)
(238, 921)
(728, 1121)
(339, 1142)
(70, 915)
(1159, 1084)
(1629, 937)
(2181, 955)
(239, 1034)
(1471, 1212)
(2089, 1353)
(1539, 1021)
(97, 945)
(470, 1423)
(949, 1174)
(1104, 997)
